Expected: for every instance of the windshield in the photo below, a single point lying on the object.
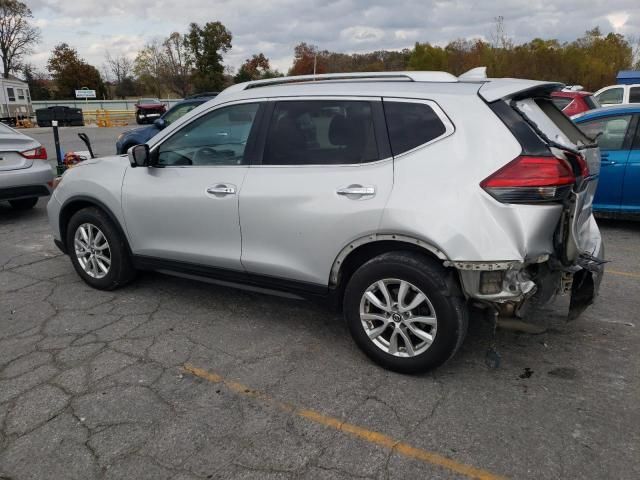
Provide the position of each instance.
(178, 111)
(148, 101)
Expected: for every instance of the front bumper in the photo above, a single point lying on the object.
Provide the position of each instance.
(35, 181)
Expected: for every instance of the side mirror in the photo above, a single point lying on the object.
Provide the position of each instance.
(139, 155)
(160, 123)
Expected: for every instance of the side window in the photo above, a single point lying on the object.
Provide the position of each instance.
(176, 112)
(320, 132)
(11, 94)
(634, 95)
(561, 102)
(217, 138)
(20, 94)
(610, 131)
(411, 125)
(612, 96)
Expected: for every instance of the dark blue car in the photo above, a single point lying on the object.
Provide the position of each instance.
(141, 135)
(618, 133)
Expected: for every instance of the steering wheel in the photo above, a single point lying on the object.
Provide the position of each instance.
(206, 156)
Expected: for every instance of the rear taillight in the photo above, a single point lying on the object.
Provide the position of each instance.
(529, 179)
(39, 153)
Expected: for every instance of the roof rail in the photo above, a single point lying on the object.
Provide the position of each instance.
(417, 76)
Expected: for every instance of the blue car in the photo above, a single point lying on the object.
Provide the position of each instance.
(618, 134)
(141, 135)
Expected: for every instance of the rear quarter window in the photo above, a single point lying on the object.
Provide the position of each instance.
(634, 95)
(411, 124)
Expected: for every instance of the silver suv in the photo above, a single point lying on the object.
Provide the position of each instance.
(407, 197)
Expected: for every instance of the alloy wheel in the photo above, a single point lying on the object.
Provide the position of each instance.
(92, 250)
(398, 317)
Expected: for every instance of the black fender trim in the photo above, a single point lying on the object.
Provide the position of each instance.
(96, 203)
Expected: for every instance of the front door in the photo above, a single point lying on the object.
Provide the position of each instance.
(185, 206)
(631, 185)
(612, 133)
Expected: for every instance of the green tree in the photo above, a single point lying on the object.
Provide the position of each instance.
(207, 44)
(428, 57)
(71, 73)
(17, 36)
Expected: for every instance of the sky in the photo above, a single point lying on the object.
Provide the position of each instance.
(274, 27)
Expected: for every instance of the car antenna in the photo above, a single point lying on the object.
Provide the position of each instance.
(83, 136)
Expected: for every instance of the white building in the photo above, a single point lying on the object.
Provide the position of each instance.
(15, 98)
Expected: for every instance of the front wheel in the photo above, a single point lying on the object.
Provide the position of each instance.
(405, 312)
(98, 250)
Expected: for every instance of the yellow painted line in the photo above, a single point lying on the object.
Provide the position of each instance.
(623, 274)
(369, 436)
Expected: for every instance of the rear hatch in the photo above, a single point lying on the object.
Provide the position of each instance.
(527, 109)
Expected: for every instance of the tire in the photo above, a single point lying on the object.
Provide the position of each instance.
(23, 203)
(420, 274)
(120, 270)
(139, 119)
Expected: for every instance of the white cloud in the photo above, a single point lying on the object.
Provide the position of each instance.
(274, 27)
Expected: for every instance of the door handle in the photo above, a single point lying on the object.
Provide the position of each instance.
(356, 190)
(221, 189)
(607, 162)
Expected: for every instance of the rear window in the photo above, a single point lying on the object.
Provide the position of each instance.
(561, 102)
(552, 123)
(411, 125)
(591, 102)
(321, 132)
(634, 95)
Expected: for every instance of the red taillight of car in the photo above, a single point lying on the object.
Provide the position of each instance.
(39, 153)
(529, 179)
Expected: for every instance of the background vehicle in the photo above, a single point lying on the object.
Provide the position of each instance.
(148, 109)
(25, 173)
(618, 94)
(618, 134)
(143, 134)
(573, 102)
(405, 197)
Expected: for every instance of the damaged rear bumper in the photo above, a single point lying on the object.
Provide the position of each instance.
(516, 286)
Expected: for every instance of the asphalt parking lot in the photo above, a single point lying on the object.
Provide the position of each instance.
(171, 378)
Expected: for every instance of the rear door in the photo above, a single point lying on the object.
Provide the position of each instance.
(614, 134)
(631, 186)
(324, 178)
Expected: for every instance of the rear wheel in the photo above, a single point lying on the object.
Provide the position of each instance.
(404, 313)
(23, 203)
(98, 250)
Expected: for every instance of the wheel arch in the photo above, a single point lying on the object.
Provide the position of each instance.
(77, 203)
(365, 248)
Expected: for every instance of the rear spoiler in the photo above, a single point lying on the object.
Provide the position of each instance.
(514, 88)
